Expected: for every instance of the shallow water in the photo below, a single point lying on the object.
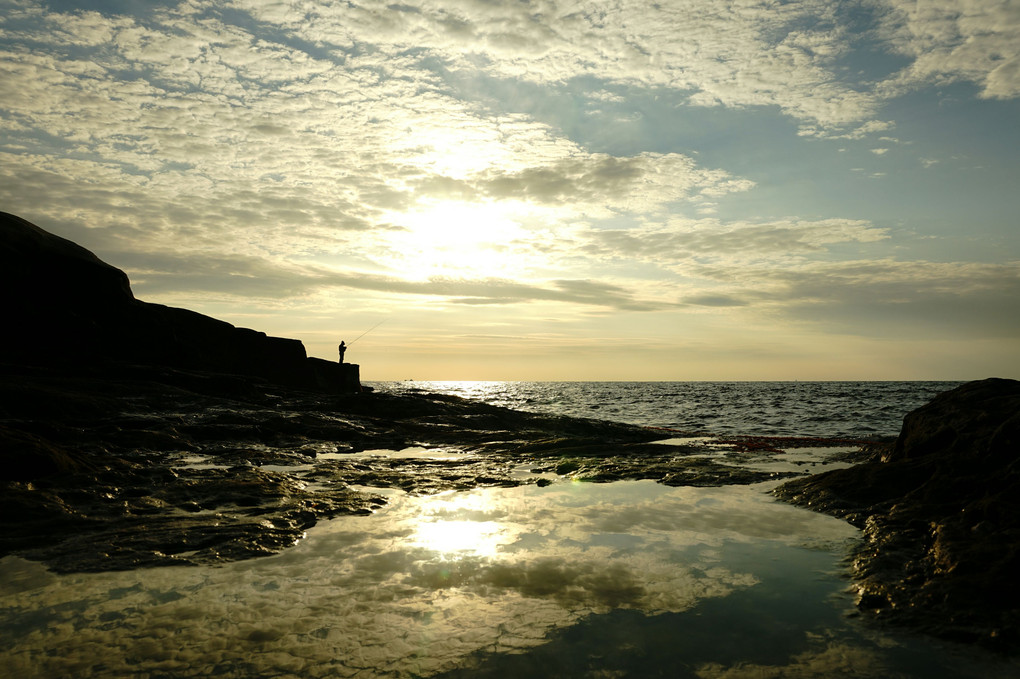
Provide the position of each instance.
(572, 579)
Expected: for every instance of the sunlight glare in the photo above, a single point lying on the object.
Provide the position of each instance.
(454, 150)
(479, 538)
(451, 237)
(461, 524)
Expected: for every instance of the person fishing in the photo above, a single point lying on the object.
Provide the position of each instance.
(343, 347)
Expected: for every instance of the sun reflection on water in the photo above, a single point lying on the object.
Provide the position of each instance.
(459, 537)
(462, 524)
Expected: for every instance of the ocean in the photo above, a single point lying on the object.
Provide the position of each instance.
(822, 409)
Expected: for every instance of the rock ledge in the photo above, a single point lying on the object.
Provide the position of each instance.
(940, 514)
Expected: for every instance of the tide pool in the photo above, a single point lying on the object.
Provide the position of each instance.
(572, 579)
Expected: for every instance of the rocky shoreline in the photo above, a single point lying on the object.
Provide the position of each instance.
(125, 466)
(940, 518)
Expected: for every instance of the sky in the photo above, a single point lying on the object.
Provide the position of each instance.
(547, 190)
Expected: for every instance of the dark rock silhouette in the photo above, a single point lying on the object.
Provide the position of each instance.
(25, 457)
(941, 517)
(978, 421)
(65, 305)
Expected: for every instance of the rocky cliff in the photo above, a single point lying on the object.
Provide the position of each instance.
(63, 305)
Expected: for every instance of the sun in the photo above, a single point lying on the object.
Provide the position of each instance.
(462, 238)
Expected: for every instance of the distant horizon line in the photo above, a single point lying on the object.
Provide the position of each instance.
(787, 381)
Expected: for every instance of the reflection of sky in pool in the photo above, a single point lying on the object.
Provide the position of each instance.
(575, 579)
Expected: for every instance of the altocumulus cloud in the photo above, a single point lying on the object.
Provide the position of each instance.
(973, 41)
(130, 115)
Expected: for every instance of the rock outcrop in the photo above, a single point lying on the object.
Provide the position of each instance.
(65, 305)
(941, 517)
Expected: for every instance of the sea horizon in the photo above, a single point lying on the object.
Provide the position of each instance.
(838, 408)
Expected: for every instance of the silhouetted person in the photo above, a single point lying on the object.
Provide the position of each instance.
(343, 349)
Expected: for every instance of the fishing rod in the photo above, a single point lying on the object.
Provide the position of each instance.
(367, 331)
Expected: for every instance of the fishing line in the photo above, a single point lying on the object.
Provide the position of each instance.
(366, 332)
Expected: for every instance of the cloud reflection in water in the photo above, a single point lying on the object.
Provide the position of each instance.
(413, 590)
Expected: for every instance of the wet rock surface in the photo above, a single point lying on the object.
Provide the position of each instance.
(118, 466)
(940, 513)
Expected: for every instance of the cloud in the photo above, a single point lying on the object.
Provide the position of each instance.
(711, 300)
(743, 55)
(949, 41)
(592, 182)
(857, 132)
(830, 659)
(240, 276)
(884, 298)
(683, 240)
(908, 298)
(637, 183)
(184, 131)
(494, 291)
(248, 277)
